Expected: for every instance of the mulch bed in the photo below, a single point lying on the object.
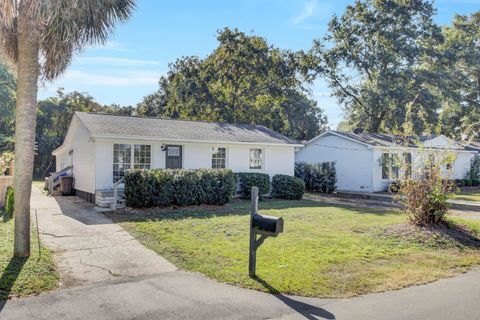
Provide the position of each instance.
(439, 235)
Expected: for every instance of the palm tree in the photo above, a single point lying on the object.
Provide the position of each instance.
(39, 38)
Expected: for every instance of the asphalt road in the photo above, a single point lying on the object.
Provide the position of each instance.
(182, 295)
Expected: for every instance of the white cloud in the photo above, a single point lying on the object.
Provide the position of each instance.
(110, 45)
(81, 79)
(308, 10)
(115, 61)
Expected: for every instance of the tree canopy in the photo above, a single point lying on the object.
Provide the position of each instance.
(244, 80)
(377, 58)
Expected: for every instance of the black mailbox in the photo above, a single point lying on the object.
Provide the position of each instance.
(267, 225)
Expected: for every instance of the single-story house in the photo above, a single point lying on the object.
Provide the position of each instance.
(359, 157)
(101, 147)
(474, 146)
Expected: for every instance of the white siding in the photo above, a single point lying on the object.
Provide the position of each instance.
(276, 159)
(83, 160)
(353, 161)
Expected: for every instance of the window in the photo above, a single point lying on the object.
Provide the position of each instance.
(219, 157)
(255, 158)
(122, 158)
(127, 156)
(141, 157)
(390, 167)
(408, 164)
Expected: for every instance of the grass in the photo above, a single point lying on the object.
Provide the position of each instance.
(24, 276)
(468, 196)
(325, 250)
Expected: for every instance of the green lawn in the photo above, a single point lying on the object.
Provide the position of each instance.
(468, 196)
(325, 250)
(20, 276)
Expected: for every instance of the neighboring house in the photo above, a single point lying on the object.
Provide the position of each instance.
(359, 163)
(474, 146)
(102, 147)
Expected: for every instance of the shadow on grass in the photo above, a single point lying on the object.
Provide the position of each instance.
(307, 310)
(235, 208)
(9, 276)
(459, 234)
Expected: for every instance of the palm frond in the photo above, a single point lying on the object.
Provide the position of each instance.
(8, 31)
(71, 25)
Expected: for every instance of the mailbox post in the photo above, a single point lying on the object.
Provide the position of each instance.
(265, 226)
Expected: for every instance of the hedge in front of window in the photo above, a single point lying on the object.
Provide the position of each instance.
(247, 180)
(164, 187)
(287, 187)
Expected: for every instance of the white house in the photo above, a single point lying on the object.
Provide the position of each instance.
(100, 148)
(358, 157)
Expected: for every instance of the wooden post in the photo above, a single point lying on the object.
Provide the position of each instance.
(252, 261)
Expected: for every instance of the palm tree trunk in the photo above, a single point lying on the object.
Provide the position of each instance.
(25, 122)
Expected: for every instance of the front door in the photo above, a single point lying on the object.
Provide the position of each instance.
(174, 157)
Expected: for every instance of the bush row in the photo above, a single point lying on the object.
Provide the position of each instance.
(318, 177)
(467, 182)
(395, 186)
(159, 187)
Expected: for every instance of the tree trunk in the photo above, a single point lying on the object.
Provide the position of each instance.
(25, 122)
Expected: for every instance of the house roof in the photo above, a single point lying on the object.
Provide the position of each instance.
(104, 125)
(474, 146)
(388, 140)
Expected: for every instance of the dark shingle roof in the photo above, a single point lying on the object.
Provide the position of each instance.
(474, 146)
(173, 129)
(384, 140)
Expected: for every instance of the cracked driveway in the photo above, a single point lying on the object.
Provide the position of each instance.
(89, 248)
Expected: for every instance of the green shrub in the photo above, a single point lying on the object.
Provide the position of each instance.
(247, 180)
(460, 182)
(395, 187)
(318, 177)
(475, 182)
(467, 182)
(287, 187)
(9, 201)
(159, 187)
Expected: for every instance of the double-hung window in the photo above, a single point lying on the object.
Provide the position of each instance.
(256, 161)
(390, 166)
(128, 156)
(219, 158)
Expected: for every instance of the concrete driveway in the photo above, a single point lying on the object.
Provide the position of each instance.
(90, 248)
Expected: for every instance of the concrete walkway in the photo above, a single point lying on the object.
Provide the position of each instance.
(90, 248)
(181, 295)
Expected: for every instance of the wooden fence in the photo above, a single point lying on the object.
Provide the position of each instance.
(6, 181)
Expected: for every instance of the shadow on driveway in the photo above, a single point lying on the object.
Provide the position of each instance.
(307, 310)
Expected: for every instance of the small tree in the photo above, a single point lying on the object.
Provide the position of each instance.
(425, 187)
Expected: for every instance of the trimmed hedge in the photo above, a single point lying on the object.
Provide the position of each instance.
(247, 180)
(467, 182)
(475, 182)
(318, 177)
(9, 201)
(287, 187)
(164, 187)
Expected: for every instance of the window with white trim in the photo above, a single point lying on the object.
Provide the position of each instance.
(256, 159)
(219, 157)
(128, 156)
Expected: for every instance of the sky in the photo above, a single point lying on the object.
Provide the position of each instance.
(129, 65)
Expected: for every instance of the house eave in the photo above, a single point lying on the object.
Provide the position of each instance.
(148, 138)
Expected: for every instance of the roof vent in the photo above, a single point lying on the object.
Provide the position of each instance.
(358, 130)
